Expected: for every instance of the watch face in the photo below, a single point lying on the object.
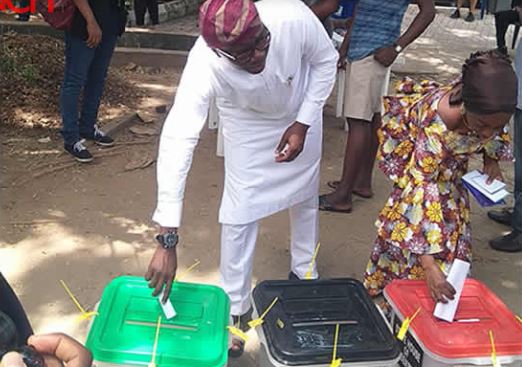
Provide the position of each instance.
(170, 239)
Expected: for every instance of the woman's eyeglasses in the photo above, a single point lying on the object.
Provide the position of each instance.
(246, 56)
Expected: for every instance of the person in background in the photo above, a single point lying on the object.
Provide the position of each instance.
(472, 7)
(270, 66)
(503, 19)
(369, 48)
(89, 45)
(141, 7)
(323, 8)
(427, 138)
(512, 242)
(24, 17)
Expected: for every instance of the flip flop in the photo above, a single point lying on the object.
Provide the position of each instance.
(326, 206)
(335, 184)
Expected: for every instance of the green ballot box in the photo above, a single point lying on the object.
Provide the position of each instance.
(124, 331)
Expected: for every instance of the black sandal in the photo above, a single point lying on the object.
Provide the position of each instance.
(238, 345)
(326, 206)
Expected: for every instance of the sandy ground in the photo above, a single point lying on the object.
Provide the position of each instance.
(87, 224)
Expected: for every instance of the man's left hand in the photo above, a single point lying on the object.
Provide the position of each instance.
(292, 142)
(385, 56)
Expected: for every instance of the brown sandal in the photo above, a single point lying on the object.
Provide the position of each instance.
(237, 349)
(238, 344)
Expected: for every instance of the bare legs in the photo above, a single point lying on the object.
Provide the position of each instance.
(359, 158)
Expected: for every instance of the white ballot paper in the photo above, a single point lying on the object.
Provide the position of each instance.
(496, 191)
(168, 308)
(456, 277)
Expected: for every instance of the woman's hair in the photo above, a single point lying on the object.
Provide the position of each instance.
(489, 84)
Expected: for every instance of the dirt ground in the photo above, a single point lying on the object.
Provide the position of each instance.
(87, 224)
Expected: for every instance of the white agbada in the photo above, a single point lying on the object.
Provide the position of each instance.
(255, 110)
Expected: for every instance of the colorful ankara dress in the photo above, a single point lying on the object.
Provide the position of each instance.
(428, 209)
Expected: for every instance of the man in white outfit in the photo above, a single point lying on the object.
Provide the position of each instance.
(270, 66)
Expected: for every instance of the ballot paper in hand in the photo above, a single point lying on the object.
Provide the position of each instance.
(456, 277)
(168, 308)
(485, 194)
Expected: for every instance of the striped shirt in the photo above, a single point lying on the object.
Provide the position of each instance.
(377, 24)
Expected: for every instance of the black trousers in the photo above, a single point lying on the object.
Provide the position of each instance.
(502, 21)
(11, 306)
(141, 6)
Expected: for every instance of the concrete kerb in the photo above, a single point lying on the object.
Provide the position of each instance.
(149, 57)
(131, 38)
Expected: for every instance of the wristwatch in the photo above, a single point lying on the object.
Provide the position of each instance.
(168, 240)
(397, 47)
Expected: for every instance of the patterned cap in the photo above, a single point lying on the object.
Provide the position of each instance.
(224, 23)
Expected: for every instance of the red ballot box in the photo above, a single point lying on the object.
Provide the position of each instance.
(484, 329)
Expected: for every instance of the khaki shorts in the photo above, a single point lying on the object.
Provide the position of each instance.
(364, 87)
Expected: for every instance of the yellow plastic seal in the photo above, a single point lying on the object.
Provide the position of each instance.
(406, 324)
(336, 362)
(259, 321)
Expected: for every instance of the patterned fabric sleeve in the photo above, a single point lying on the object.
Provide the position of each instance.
(408, 86)
(400, 122)
(499, 148)
(414, 220)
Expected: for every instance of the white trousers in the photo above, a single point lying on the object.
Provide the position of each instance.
(237, 252)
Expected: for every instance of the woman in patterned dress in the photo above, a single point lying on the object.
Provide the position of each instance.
(427, 137)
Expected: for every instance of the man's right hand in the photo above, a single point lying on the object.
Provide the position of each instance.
(59, 349)
(94, 34)
(162, 270)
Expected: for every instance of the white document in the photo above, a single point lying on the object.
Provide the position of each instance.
(168, 308)
(495, 191)
(456, 277)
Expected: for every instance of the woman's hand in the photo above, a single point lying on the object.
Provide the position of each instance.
(492, 170)
(440, 289)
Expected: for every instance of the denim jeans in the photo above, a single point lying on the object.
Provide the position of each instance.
(517, 142)
(84, 68)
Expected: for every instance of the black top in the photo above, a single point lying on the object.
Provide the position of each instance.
(300, 328)
(11, 306)
(111, 16)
